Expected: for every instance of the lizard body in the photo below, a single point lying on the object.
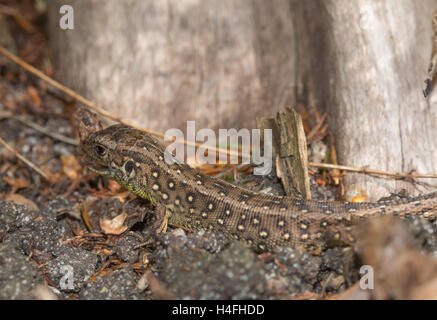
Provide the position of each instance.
(196, 201)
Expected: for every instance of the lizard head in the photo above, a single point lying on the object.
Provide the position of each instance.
(101, 155)
(123, 154)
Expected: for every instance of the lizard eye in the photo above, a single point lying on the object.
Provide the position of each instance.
(101, 150)
(129, 168)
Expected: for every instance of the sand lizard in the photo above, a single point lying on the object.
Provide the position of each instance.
(186, 197)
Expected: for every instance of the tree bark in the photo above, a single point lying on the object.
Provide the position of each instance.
(161, 63)
(364, 62)
(222, 63)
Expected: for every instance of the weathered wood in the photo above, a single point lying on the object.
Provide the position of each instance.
(290, 150)
(7, 42)
(364, 63)
(161, 63)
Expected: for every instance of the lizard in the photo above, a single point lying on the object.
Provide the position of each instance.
(187, 198)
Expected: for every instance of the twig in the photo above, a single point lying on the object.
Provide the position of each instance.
(157, 287)
(371, 171)
(92, 105)
(237, 167)
(43, 130)
(317, 127)
(19, 18)
(105, 113)
(9, 11)
(27, 162)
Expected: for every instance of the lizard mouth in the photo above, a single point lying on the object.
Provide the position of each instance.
(104, 171)
(92, 164)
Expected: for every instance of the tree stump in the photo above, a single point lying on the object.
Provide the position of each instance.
(222, 63)
(364, 64)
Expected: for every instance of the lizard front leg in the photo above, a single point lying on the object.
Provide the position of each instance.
(162, 215)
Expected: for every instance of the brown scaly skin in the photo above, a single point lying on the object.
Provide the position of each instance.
(195, 201)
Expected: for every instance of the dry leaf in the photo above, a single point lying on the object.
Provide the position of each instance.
(23, 22)
(115, 225)
(85, 218)
(359, 199)
(70, 166)
(35, 96)
(352, 293)
(11, 105)
(16, 183)
(122, 196)
(114, 186)
(321, 182)
(427, 291)
(334, 173)
(307, 296)
(44, 293)
(18, 198)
